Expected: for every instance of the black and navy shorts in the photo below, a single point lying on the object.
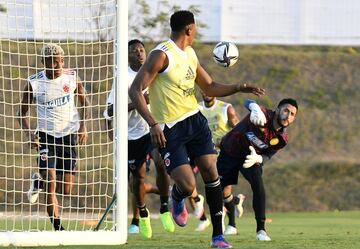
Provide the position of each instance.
(138, 150)
(186, 141)
(58, 153)
(228, 168)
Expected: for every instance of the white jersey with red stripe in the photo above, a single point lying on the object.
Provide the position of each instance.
(56, 111)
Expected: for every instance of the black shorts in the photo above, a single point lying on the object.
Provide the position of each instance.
(58, 153)
(228, 168)
(187, 140)
(138, 150)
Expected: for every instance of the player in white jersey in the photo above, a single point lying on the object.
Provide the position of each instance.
(60, 126)
(139, 145)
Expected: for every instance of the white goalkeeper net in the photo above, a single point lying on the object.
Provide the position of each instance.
(87, 32)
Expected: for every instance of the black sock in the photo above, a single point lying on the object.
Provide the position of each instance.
(203, 217)
(135, 221)
(176, 194)
(229, 203)
(196, 198)
(56, 224)
(214, 199)
(164, 200)
(143, 211)
(260, 225)
(236, 200)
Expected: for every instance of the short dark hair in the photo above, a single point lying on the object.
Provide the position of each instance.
(288, 101)
(135, 41)
(180, 19)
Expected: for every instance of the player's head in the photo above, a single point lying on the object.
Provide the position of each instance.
(286, 112)
(183, 22)
(209, 101)
(137, 54)
(52, 57)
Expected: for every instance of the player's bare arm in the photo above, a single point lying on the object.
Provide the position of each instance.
(24, 119)
(232, 116)
(156, 62)
(84, 103)
(131, 106)
(214, 89)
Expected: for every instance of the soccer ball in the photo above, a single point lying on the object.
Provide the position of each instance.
(225, 54)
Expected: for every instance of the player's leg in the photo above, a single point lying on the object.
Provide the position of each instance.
(163, 183)
(206, 164)
(229, 203)
(254, 176)
(184, 186)
(202, 150)
(137, 151)
(52, 205)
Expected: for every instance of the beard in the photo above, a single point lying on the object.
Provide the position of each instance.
(280, 123)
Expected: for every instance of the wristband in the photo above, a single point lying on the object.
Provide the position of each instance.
(152, 125)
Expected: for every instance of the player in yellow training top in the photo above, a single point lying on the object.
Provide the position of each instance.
(176, 126)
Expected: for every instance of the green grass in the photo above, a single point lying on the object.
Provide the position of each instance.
(325, 230)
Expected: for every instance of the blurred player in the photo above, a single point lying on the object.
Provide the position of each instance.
(176, 125)
(248, 146)
(139, 145)
(221, 117)
(59, 127)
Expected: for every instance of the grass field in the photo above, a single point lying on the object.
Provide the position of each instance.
(326, 230)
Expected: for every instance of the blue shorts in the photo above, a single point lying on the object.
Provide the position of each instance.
(57, 153)
(138, 150)
(187, 140)
(228, 168)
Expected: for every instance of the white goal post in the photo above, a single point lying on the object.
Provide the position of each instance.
(94, 36)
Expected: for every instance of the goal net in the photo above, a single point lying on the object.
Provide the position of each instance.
(88, 32)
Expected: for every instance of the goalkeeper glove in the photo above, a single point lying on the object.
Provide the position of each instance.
(257, 117)
(252, 158)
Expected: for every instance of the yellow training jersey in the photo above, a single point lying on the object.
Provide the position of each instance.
(172, 94)
(217, 118)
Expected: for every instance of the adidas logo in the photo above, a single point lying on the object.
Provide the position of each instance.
(220, 213)
(190, 74)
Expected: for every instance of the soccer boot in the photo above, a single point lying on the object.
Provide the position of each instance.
(167, 222)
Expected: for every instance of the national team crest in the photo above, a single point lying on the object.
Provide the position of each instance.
(167, 162)
(66, 88)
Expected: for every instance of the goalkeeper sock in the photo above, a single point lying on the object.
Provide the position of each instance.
(164, 200)
(260, 224)
(229, 203)
(56, 224)
(215, 201)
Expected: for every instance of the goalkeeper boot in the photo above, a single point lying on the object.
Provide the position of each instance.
(167, 222)
(179, 212)
(145, 226)
(262, 236)
(35, 188)
(220, 242)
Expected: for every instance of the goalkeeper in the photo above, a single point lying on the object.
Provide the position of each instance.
(252, 142)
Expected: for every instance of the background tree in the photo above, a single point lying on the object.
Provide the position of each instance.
(147, 24)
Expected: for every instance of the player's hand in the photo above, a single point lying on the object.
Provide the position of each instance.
(82, 135)
(157, 136)
(34, 141)
(257, 117)
(252, 159)
(247, 88)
